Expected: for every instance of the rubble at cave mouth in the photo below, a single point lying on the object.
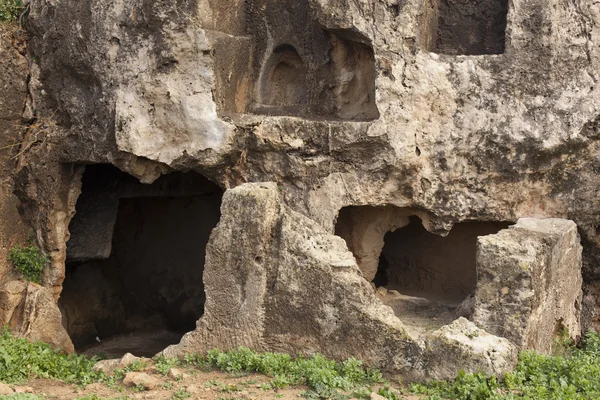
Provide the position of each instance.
(135, 260)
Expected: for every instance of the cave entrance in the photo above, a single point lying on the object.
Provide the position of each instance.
(135, 260)
(427, 279)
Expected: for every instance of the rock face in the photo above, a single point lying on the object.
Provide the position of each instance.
(366, 117)
(529, 284)
(30, 311)
(287, 285)
(13, 93)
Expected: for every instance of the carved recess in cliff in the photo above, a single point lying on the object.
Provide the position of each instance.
(424, 277)
(465, 27)
(135, 258)
(298, 67)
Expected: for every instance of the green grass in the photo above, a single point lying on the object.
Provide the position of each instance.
(10, 10)
(573, 375)
(21, 360)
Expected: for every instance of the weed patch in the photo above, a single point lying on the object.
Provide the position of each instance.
(324, 377)
(29, 261)
(10, 10)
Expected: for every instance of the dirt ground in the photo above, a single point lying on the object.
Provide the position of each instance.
(193, 384)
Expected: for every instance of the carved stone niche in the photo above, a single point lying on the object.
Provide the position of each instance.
(289, 64)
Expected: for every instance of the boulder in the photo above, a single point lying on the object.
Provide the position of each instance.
(109, 366)
(286, 284)
(463, 346)
(529, 286)
(31, 312)
(141, 379)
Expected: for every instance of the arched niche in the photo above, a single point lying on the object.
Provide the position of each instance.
(284, 82)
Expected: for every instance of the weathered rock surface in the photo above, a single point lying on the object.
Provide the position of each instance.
(178, 373)
(529, 282)
(109, 366)
(285, 284)
(463, 346)
(30, 311)
(13, 94)
(141, 379)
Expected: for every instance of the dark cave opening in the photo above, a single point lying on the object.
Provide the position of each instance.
(135, 260)
(467, 27)
(427, 279)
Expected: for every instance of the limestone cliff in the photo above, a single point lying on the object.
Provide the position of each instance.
(364, 114)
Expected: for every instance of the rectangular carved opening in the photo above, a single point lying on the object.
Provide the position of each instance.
(466, 27)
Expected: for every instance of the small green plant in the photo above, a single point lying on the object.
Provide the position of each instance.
(181, 394)
(29, 261)
(229, 388)
(197, 361)
(136, 366)
(10, 10)
(389, 393)
(164, 364)
(211, 383)
(139, 388)
(362, 392)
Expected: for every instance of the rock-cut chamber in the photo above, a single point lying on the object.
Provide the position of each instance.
(427, 279)
(135, 260)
